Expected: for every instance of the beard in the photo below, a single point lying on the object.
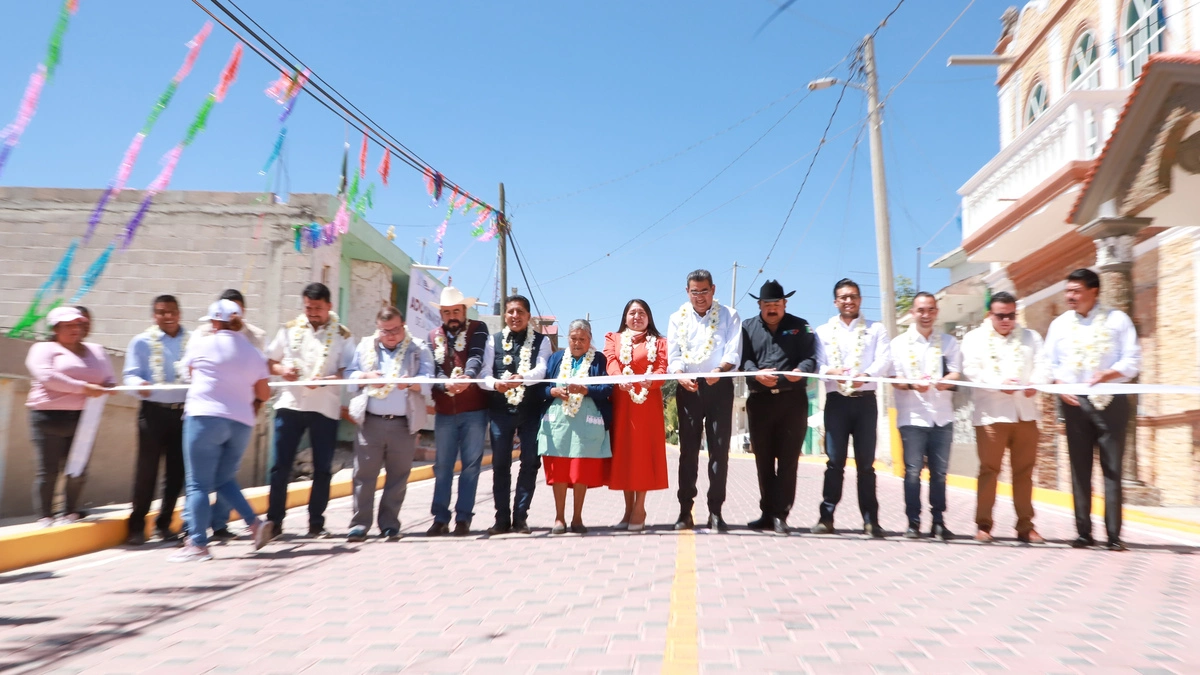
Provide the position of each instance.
(453, 325)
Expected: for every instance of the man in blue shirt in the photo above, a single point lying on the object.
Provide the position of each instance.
(152, 358)
(388, 426)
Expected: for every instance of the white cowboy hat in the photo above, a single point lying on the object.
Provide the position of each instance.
(452, 297)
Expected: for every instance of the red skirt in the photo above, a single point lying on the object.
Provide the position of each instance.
(589, 471)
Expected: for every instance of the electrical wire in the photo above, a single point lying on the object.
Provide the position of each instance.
(927, 51)
(518, 251)
(849, 157)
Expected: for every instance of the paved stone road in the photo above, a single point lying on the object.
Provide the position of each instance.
(612, 601)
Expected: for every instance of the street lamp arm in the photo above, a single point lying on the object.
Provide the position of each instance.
(827, 82)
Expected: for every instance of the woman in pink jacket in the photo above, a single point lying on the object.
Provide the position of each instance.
(64, 372)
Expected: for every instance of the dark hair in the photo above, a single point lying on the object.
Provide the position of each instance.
(316, 291)
(651, 330)
(235, 295)
(1003, 297)
(518, 298)
(924, 294)
(388, 313)
(165, 298)
(697, 276)
(844, 283)
(1086, 277)
(84, 311)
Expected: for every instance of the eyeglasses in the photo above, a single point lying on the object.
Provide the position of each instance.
(847, 298)
(393, 331)
(1011, 316)
(698, 293)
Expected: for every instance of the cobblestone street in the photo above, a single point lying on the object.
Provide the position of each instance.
(620, 602)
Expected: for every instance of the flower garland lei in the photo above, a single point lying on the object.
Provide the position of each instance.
(917, 364)
(155, 335)
(626, 360)
(574, 402)
(838, 359)
(297, 334)
(996, 360)
(1088, 345)
(369, 361)
(710, 332)
(517, 393)
(439, 344)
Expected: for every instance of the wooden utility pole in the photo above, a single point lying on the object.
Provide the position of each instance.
(502, 254)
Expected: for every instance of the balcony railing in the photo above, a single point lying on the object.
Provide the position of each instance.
(1074, 128)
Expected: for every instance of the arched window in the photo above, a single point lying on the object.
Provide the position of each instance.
(1037, 104)
(1083, 66)
(1142, 26)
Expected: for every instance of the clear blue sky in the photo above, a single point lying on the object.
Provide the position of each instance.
(551, 98)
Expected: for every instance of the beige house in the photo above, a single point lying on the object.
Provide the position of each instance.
(1096, 106)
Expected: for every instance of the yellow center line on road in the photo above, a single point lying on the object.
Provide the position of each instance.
(682, 652)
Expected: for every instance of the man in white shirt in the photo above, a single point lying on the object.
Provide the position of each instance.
(703, 337)
(1089, 344)
(514, 354)
(313, 346)
(855, 347)
(1002, 352)
(394, 414)
(925, 411)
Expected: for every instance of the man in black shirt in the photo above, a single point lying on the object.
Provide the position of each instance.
(777, 407)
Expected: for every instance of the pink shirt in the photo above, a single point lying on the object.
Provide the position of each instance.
(58, 375)
(225, 367)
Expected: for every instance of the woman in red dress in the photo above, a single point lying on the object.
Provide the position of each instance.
(639, 440)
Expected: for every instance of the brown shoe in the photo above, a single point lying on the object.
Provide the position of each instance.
(984, 537)
(1030, 537)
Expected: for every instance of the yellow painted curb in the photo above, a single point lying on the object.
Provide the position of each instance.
(682, 653)
(36, 547)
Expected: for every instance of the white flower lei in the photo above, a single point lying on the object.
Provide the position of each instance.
(1088, 345)
(155, 336)
(439, 344)
(626, 360)
(1013, 341)
(710, 332)
(517, 393)
(297, 334)
(369, 362)
(917, 363)
(838, 360)
(565, 371)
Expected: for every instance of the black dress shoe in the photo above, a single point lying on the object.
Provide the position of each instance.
(823, 527)
(136, 539)
(1083, 541)
(716, 522)
(500, 527)
(1116, 545)
(685, 521)
(522, 527)
(873, 530)
(763, 523)
(913, 531)
(438, 529)
(222, 534)
(779, 525)
(462, 528)
(939, 531)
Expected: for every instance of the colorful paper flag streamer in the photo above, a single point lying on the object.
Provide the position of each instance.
(93, 273)
(385, 166)
(57, 283)
(362, 157)
(171, 159)
(135, 146)
(54, 49)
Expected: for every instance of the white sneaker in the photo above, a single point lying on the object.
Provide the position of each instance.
(260, 531)
(45, 522)
(190, 553)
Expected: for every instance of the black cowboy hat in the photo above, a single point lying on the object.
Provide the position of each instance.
(771, 290)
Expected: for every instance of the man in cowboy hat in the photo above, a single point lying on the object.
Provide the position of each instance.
(462, 410)
(778, 406)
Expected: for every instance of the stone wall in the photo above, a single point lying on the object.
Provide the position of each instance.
(191, 244)
(371, 290)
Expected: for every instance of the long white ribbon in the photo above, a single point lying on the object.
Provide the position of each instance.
(1072, 389)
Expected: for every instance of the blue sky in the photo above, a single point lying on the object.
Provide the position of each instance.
(552, 98)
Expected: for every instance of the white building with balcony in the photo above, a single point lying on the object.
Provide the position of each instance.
(1096, 102)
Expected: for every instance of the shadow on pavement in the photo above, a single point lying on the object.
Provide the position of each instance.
(26, 620)
(26, 576)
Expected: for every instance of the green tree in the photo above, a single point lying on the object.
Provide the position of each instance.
(905, 291)
(671, 410)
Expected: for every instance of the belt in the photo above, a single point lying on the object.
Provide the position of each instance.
(857, 394)
(777, 390)
(387, 417)
(168, 406)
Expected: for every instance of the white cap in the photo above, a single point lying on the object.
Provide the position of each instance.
(64, 315)
(222, 310)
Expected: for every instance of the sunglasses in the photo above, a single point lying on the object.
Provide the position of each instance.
(1011, 316)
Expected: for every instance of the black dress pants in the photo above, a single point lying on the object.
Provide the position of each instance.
(1087, 429)
(847, 416)
(160, 443)
(778, 424)
(708, 410)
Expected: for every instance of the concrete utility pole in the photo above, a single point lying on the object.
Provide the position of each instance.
(883, 231)
(502, 253)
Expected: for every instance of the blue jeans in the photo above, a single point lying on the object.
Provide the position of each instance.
(212, 451)
(503, 428)
(457, 436)
(926, 445)
(290, 426)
